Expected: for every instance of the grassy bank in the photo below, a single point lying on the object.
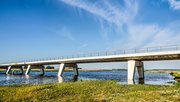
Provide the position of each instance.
(175, 74)
(88, 91)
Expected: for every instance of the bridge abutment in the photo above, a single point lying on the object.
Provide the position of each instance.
(132, 65)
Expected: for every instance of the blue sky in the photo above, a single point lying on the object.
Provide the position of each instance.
(33, 29)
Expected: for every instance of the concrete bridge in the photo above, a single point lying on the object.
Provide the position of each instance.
(134, 57)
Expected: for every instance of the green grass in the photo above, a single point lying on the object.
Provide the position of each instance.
(175, 74)
(161, 71)
(90, 91)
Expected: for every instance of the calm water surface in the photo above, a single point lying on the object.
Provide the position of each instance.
(51, 77)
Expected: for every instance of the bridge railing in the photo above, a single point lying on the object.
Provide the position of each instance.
(117, 52)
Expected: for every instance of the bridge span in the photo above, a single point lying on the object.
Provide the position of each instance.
(134, 58)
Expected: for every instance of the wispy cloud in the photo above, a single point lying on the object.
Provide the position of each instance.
(109, 11)
(111, 15)
(169, 34)
(174, 4)
(122, 19)
(64, 32)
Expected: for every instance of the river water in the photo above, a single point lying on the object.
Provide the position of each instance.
(51, 77)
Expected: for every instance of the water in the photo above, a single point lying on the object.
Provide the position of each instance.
(51, 77)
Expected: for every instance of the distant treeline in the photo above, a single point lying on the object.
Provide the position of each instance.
(119, 69)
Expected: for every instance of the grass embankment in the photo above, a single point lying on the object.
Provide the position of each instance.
(90, 91)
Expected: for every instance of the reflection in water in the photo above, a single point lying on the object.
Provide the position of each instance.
(141, 81)
(27, 79)
(131, 82)
(60, 79)
(73, 79)
(27, 76)
(8, 77)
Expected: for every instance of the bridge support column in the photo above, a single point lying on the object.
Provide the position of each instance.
(28, 69)
(64, 65)
(21, 68)
(132, 65)
(42, 69)
(8, 70)
(61, 69)
(75, 68)
(140, 69)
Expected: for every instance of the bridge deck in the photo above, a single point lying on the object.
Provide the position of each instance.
(164, 55)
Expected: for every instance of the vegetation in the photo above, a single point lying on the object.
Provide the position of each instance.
(162, 71)
(50, 67)
(175, 74)
(88, 91)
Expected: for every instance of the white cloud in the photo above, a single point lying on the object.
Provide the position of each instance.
(106, 10)
(122, 19)
(110, 14)
(169, 34)
(174, 4)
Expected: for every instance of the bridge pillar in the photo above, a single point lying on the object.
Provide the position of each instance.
(62, 66)
(28, 69)
(10, 67)
(8, 70)
(42, 69)
(132, 65)
(21, 68)
(61, 69)
(140, 69)
(75, 68)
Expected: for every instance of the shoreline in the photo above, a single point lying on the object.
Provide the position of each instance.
(174, 73)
